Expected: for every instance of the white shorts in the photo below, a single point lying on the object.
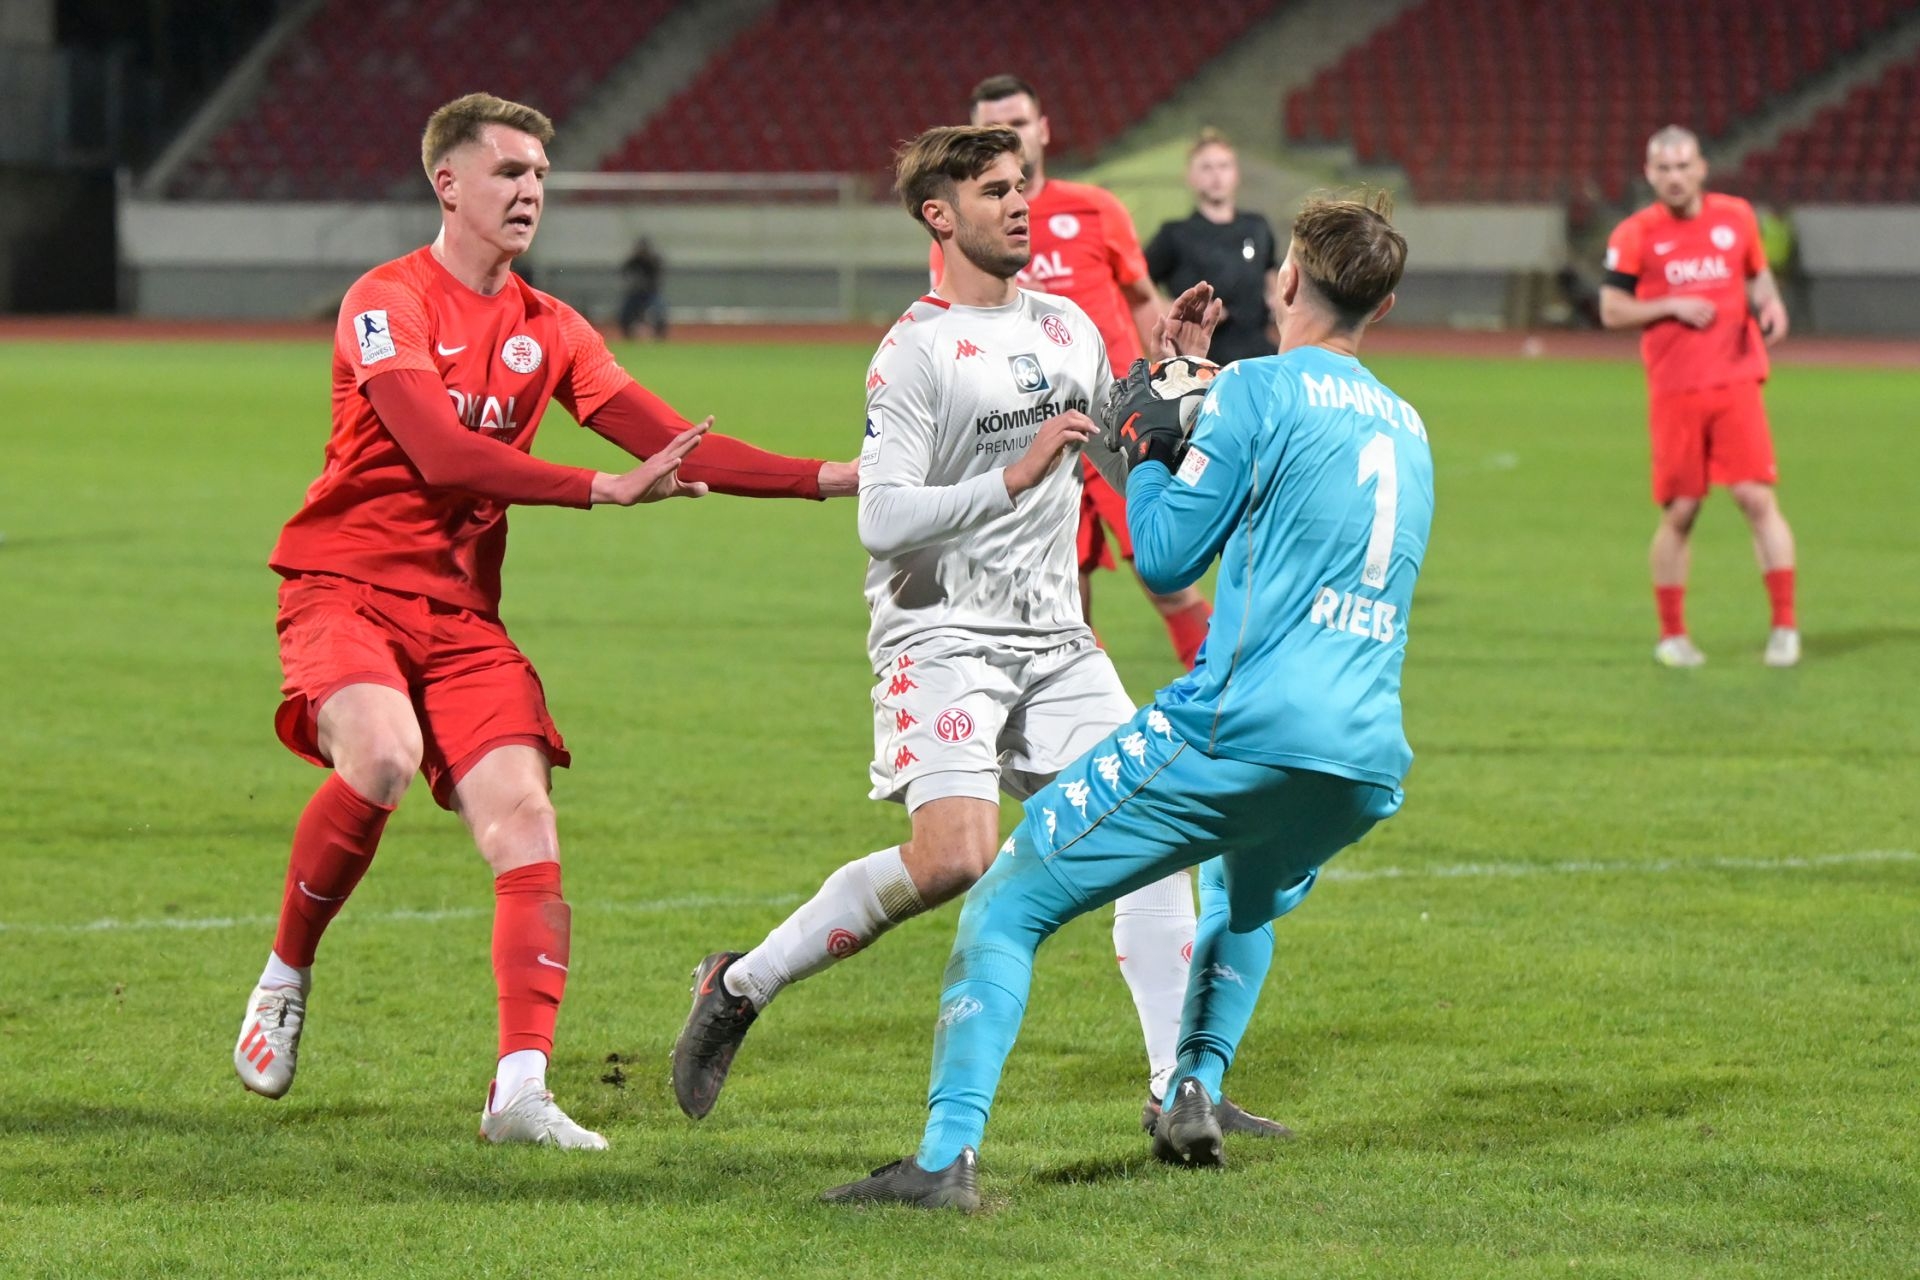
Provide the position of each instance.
(965, 719)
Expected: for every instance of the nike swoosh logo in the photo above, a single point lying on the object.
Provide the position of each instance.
(449, 351)
(551, 964)
(317, 897)
(1659, 248)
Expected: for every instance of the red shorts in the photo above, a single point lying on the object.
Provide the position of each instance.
(1103, 511)
(471, 688)
(1717, 435)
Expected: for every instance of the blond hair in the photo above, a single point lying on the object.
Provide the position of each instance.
(460, 122)
(932, 165)
(1348, 250)
(1209, 137)
(1673, 135)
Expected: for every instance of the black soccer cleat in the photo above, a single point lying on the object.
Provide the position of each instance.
(715, 1026)
(905, 1182)
(1188, 1133)
(1232, 1118)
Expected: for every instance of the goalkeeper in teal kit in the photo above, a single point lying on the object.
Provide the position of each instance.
(1313, 485)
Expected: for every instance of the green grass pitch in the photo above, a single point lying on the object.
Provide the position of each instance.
(1628, 988)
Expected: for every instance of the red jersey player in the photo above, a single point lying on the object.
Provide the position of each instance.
(390, 636)
(1688, 271)
(1085, 248)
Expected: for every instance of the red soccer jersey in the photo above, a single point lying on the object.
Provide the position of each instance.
(1654, 254)
(369, 516)
(1084, 248)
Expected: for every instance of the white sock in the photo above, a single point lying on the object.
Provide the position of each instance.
(857, 904)
(515, 1070)
(1153, 939)
(279, 973)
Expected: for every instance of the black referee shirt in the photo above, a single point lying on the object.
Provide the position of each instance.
(1234, 257)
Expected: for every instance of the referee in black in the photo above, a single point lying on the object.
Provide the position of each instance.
(1232, 250)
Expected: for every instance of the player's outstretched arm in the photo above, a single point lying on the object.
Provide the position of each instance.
(413, 406)
(642, 423)
(1187, 327)
(656, 478)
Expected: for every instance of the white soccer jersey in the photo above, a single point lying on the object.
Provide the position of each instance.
(954, 395)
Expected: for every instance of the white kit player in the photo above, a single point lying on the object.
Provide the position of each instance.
(989, 678)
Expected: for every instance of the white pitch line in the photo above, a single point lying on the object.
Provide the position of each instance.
(700, 902)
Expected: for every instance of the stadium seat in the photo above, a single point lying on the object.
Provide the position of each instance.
(1530, 99)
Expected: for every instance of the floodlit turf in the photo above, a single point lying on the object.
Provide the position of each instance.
(1628, 988)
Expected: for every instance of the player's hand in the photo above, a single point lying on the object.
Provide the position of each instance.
(1140, 426)
(1056, 436)
(655, 479)
(1695, 313)
(840, 479)
(1187, 327)
(1773, 320)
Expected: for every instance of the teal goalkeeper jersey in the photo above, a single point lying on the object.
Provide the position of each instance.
(1313, 484)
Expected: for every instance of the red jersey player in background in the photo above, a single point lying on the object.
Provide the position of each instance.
(1689, 272)
(1085, 248)
(394, 656)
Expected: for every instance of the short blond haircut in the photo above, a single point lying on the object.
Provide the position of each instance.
(1209, 137)
(460, 122)
(932, 166)
(1348, 250)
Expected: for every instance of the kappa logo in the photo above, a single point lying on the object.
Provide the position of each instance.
(1157, 721)
(842, 942)
(521, 354)
(1053, 822)
(1012, 847)
(899, 685)
(1109, 767)
(1058, 331)
(903, 720)
(953, 725)
(1135, 745)
(903, 758)
(962, 349)
(1064, 225)
(1722, 238)
(1077, 794)
(875, 381)
(1028, 376)
(959, 1011)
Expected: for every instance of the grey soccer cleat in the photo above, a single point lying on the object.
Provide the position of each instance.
(269, 1042)
(715, 1026)
(532, 1116)
(1189, 1132)
(905, 1182)
(1232, 1117)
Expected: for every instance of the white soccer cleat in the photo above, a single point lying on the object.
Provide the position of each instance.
(531, 1116)
(1783, 648)
(270, 1039)
(1678, 651)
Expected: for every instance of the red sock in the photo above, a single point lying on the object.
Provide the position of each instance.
(333, 846)
(1188, 629)
(532, 935)
(1780, 591)
(1672, 603)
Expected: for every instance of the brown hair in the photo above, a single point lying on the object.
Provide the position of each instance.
(1347, 248)
(460, 121)
(1209, 137)
(929, 167)
(994, 88)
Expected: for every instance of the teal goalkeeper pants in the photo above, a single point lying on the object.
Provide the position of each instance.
(1140, 805)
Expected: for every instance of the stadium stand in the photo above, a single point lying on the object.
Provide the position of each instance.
(846, 84)
(1862, 150)
(340, 114)
(1538, 100)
